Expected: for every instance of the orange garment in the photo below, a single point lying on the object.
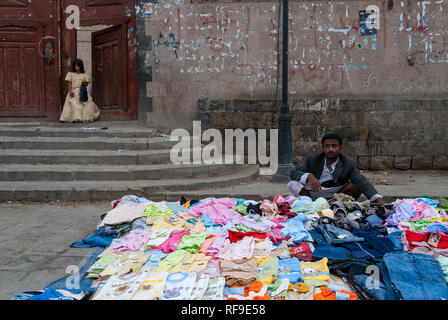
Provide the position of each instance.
(255, 287)
(326, 294)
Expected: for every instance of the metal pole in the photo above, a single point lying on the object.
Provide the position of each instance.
(284, 125)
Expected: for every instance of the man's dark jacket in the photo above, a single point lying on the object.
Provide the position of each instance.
(345, 171)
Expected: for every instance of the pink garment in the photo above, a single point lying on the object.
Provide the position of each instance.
(133, 241)
(219, 210)
(203, 249)
(173, 241)
(217, 244)
(256, 224)
(213, 268)
(423, 211)
(280, 201)
(243, 249)
(275, 235)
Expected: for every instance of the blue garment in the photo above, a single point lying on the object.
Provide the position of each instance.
(295, 229)
(50, 294)
(335, 235)
(416, 276)
(390, 293)
(362, 251)
(155, 258)
(373, 219)
(428, 201)
(290, 268)
(395, 237)
(434, 227)
(115, 231)
(218, 229)
(84, 283)
(378, 293)
(96, 240)
(206, 220)
(375, 239)
(233, 291)
(324, 250)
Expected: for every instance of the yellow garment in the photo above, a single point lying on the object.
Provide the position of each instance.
(165, 223)
(315, 271)
(127, 262)
(192, 263)
(74, 109)
(298, 287)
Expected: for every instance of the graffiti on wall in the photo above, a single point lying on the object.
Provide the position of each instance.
(332, 44)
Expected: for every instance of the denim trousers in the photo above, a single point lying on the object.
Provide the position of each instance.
(416, 276)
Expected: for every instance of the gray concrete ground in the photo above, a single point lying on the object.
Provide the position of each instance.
(35, 238)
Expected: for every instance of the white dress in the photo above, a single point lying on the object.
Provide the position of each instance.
(74, 109)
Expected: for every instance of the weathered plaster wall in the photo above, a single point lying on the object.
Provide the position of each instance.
(228, 49)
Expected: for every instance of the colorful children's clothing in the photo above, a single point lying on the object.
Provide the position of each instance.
(316, 273)
(179, 286)
(152, 287)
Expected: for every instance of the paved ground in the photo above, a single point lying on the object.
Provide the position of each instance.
(35, 238)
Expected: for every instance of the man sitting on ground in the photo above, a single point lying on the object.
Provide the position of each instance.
(325, 173)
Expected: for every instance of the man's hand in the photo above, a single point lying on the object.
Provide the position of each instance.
(72, 94)
(380, 201)
(314, 183)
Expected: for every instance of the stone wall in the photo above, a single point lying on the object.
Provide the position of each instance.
(379, 134)
(228, 50)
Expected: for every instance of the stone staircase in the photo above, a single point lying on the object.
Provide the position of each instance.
(102, 161)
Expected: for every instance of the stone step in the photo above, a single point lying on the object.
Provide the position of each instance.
(86, 157)
(111, 190)
(26, 172)
(77, 132)
(90, 157)
(85, 143)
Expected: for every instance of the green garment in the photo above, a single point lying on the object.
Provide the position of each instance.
(267, 270)
(241, 209)
(153, 211)
(157, 238)
(318, 205)
(424, 223)
(171, 260)
(243, 228)
(102, 263)
(192, 242)
(444, 265)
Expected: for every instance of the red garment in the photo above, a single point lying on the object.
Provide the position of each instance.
(285, 210)
(235, 236)
(419, 237)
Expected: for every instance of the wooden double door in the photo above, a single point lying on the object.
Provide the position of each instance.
(37, 50)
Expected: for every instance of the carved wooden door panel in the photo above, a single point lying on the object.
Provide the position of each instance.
(107, 70)
(114, 54)
(28, 63)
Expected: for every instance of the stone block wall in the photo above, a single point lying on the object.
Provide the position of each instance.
(379, 134)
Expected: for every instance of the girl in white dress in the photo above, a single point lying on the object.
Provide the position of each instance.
(76, 110)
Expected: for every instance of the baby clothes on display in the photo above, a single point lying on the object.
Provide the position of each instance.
(290, 268)
(200, 288)
(152, 287)
(179, 286)
(239, 272)
(215, 289)
(315, 273)
(120, 287)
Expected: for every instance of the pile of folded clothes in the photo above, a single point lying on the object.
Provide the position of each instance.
(286, 249)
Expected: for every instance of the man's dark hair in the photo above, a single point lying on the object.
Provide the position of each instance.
(80, 64)
(332, 135)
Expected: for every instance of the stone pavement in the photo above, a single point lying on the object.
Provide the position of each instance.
(35, 238)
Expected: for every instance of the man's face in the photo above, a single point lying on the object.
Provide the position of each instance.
(331, 148)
